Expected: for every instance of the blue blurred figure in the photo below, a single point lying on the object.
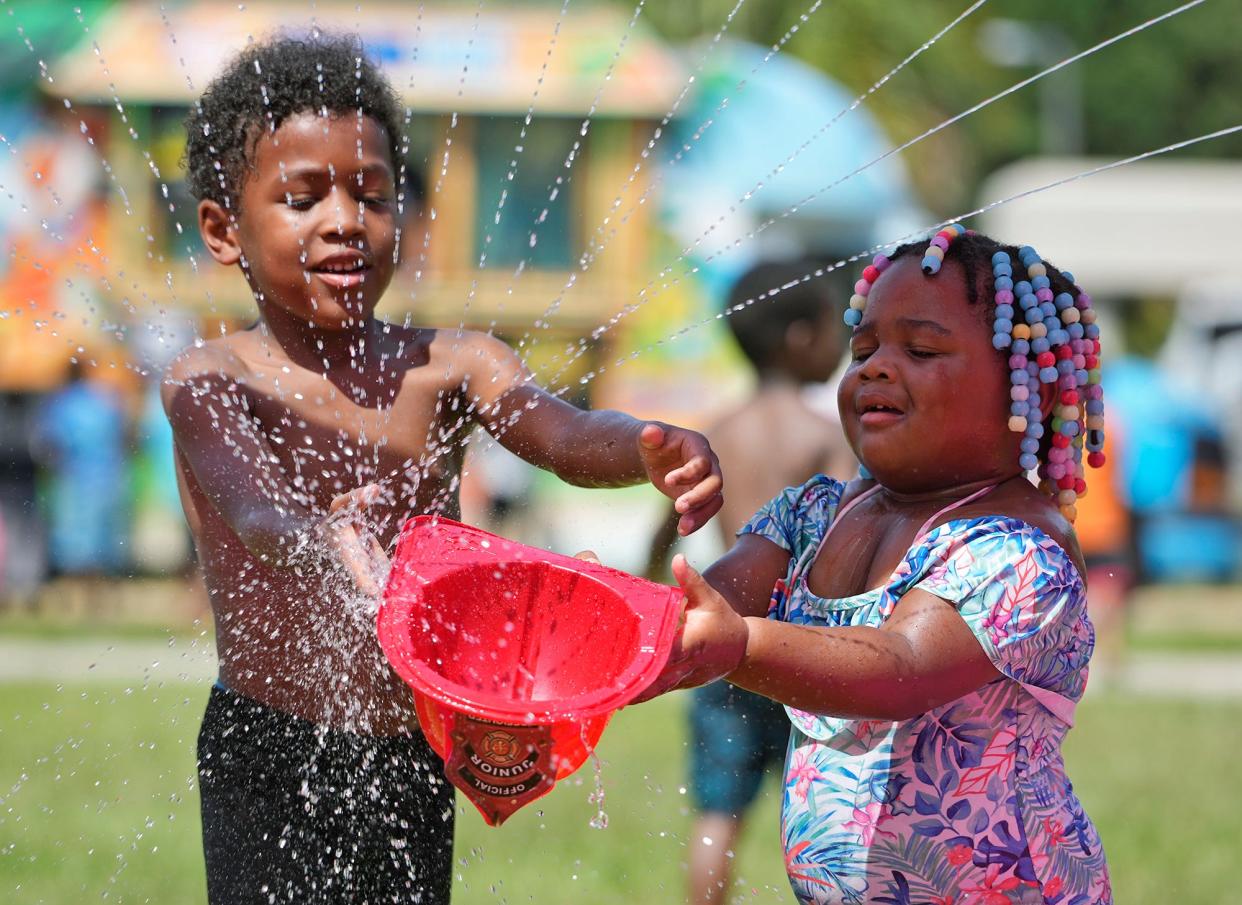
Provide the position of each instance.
(80, 440)
(1172, 470)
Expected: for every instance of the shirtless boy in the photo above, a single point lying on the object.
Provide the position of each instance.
(315, 783)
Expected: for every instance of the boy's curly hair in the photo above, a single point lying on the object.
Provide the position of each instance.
(266, 84)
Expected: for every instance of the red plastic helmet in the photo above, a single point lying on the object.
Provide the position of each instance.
(517, 657)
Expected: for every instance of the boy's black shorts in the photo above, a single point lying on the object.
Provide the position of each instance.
(296, 813)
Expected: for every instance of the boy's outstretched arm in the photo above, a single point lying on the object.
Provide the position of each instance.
(210, 412)
(588, 448)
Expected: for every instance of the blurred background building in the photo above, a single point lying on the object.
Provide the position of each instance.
(660, 160)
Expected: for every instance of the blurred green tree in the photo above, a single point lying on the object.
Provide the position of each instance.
(1176, 80)
(35, 30)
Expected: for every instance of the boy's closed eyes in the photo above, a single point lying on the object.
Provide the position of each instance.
(371, 185)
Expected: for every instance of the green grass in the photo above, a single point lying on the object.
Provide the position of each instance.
(1185, 642)
(23, 626)
(96, 796)
(1161, 779)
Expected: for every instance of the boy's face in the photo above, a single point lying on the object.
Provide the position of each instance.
(318, 219)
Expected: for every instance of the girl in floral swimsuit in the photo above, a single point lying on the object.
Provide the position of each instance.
(926, 625)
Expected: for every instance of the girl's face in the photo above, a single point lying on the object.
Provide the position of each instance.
(925, 402)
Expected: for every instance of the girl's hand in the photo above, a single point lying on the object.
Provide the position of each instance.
(713, 638)
(681, 465)
(351, 542)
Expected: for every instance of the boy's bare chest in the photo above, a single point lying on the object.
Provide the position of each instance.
(330, 437)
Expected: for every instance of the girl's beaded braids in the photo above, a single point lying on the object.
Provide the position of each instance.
(1044, 322)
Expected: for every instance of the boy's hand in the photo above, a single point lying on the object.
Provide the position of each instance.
(353, 545)
(681, 465)
(713, 637)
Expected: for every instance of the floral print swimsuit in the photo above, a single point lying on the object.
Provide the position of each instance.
(968, 803)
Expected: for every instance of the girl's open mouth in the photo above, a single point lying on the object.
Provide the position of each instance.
(879, 415)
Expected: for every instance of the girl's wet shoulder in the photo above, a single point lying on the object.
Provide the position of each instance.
(847, 491)
(820, 490)
(1034, 514)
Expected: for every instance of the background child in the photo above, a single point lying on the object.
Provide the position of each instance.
(792, 340)
(315, 784)
(928, 630)
(80, 436)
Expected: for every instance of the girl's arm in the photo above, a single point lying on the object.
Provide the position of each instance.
(586, 448)
(718, 614)
(746, 576)
(923, 656)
